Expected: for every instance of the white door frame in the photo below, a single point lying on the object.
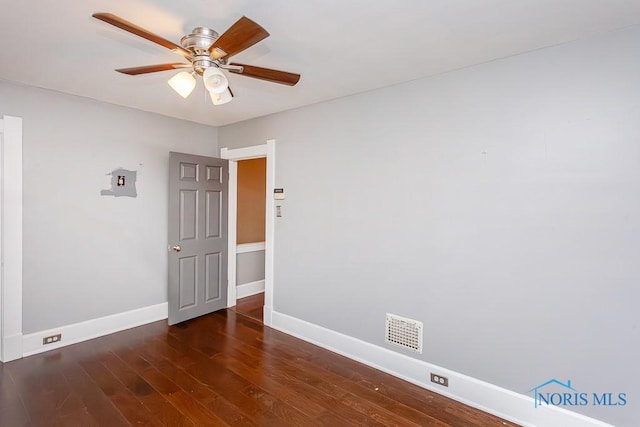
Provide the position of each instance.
(11, 238)
(267, 150)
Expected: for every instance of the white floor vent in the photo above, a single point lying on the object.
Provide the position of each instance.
(406, 333)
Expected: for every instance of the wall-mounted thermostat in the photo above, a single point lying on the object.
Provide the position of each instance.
(278, 193)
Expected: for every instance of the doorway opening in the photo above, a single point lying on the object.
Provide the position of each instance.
(266, 151)
(250, 233)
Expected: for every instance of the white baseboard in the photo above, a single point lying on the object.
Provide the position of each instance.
(77, 332)
(244, 248)
(487, 397)
(248, 289)
(11, 348)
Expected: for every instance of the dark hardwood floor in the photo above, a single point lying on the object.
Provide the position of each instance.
(222, 369)
(251, 306)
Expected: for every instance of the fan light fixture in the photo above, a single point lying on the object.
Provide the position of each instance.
(221, 98)
(214, 80)
(183, 83)
(206, 52)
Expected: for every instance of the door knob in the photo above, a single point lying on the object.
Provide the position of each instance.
(176, 248)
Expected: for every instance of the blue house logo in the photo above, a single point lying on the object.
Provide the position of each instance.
(539, 397)
(557, 393)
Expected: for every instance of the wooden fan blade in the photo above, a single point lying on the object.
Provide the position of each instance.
(134, 71)
(241, 35)
(116, 21)
(267, 74)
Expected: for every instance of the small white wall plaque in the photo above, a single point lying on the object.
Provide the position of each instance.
(278, 193)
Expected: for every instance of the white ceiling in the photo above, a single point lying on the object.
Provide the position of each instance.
(339, 47)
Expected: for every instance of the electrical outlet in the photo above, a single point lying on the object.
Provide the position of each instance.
(439, 379)
(51, 339)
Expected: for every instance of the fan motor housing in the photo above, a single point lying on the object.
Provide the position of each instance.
(199, 41)
(201, 63)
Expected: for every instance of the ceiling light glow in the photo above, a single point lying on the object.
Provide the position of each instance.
(183, 83)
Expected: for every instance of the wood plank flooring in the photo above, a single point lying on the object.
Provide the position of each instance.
(251, 306)
(222, 369)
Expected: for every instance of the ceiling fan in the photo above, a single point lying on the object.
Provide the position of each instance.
(208, 53)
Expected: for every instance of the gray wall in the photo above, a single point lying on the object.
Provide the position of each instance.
(498, 204)
(86, 255)
(249, 267)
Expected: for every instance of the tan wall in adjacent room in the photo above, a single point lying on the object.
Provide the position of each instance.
(251, 200)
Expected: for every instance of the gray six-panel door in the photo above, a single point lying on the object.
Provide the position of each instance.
(198, 188)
